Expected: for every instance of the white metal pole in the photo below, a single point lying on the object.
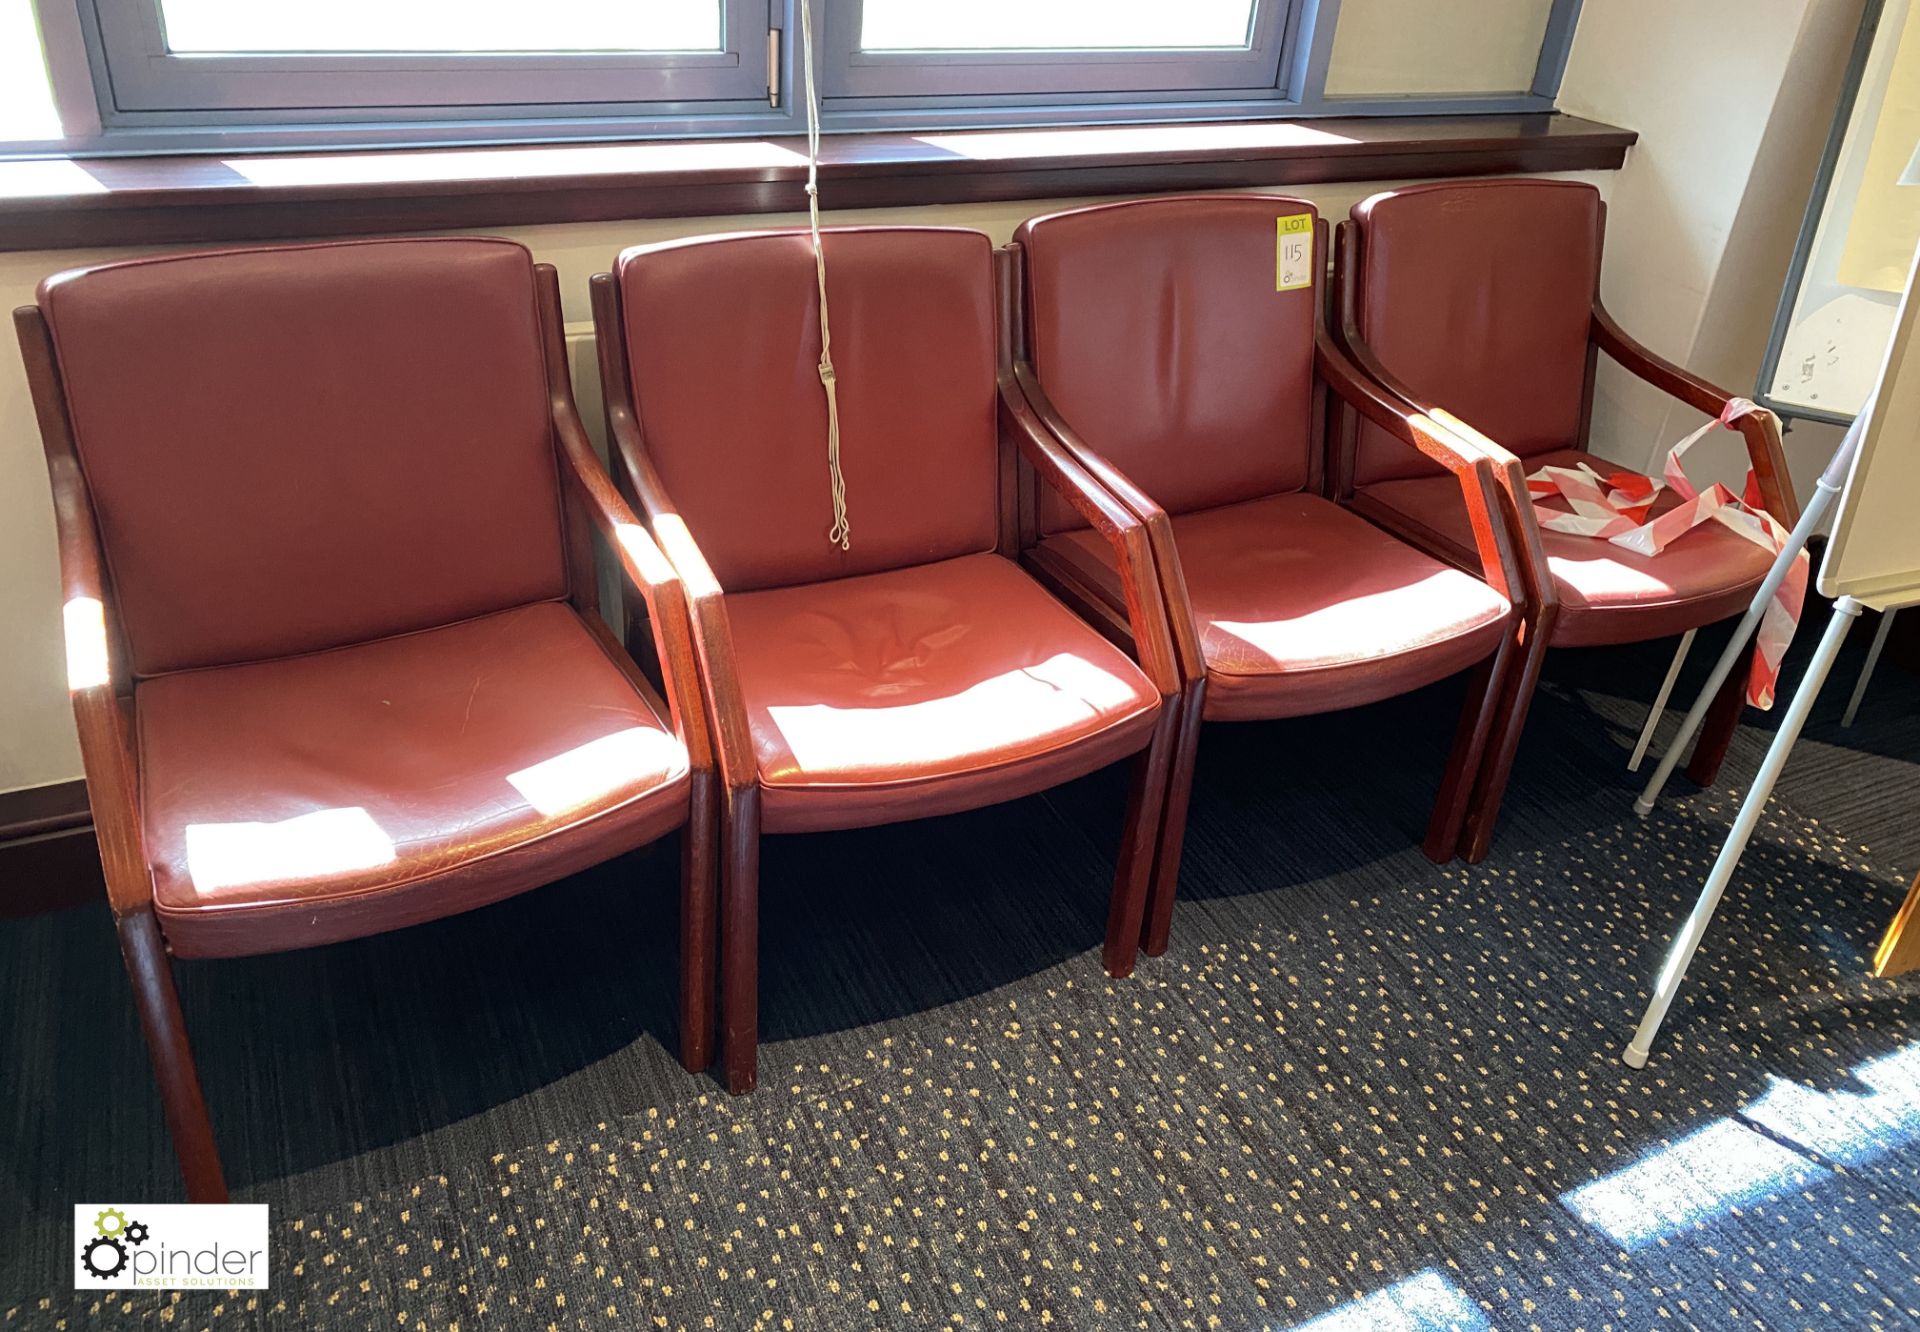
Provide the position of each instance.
(1845, 611)
(1825, 491)
(1866, 671)
(1659, 708)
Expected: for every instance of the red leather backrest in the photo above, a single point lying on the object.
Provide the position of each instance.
(1157, 331)
(723, 344)
(300, 447)
(1478, 296)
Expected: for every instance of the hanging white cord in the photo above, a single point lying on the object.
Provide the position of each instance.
(840, 534)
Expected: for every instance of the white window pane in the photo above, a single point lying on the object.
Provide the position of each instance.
(26, 99)
(1046, 25)
(1462, 46)
(331, 26)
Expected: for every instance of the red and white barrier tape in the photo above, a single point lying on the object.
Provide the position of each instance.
(1618, 507)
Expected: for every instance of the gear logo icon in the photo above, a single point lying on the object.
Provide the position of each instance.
(107, 1252)
(104, 1256)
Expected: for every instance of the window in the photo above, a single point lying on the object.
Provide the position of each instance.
(164, 74)
(395, 57)
(210, 27)
(895, 48)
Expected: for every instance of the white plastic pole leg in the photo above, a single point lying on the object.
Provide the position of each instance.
(1866, 671)
(1845, 611)
(1659, 708)
(1825, 491)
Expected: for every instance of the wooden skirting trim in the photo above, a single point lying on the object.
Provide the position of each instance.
(48, 859)
(39, 810)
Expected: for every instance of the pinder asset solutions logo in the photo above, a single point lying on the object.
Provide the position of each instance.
(170, 1246)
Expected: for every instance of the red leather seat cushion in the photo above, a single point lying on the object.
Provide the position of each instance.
(335, 794)
(1609, 594)
(924, 690)
(1304, 607)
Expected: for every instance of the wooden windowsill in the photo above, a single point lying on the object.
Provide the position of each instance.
(68, 203)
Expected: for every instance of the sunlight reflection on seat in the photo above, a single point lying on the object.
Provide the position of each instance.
(309, 846)
(1597, 569)
(1427, 1301)
(992, 145)
(1695, 1179)
(1378, 620)
(589, 773)
(86, 626)
(1047, 698)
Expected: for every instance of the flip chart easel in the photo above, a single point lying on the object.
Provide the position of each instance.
(1872, 562)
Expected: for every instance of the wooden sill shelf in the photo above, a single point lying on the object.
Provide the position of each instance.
(70, 203)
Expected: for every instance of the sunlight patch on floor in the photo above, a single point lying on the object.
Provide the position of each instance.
(1427, 1301)
(1742, 1158)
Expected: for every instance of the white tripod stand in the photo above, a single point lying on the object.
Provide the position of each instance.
(1845, 611)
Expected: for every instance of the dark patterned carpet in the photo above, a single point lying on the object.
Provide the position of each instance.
(1359, 1092)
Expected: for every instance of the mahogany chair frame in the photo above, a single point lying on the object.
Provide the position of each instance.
(104, 713)
(1023, 444)
(1759, 431)
(1499, 567)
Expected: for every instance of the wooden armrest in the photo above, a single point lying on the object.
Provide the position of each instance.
(707, 611)
(1760, 430)
(647, 570)
(1472, 467)
(1509, 477)
(729, 733)
(106, 751)
(1033, 413)
(650, 574)
(1505, 471)
(1140, 577)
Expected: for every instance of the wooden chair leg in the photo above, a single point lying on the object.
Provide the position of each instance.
(1525, 658)
(1464, 761)
(740, 939)
(1158, 924)
(159, 1007)
(1718, 726)
(697, 907)
(1139, 839)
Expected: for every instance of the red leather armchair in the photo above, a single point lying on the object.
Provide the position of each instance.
(919, 671)
(333, 644)
(1159, 351)
(1477, 303)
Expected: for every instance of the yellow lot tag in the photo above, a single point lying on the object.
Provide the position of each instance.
(1293, 260)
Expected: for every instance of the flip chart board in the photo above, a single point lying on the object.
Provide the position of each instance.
(1874, 553)
(1837, 313)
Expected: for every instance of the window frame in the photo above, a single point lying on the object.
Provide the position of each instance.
(88, 93)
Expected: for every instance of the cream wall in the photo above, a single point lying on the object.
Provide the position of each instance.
(1391, 47)
(37, 745)
(1732, 99)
